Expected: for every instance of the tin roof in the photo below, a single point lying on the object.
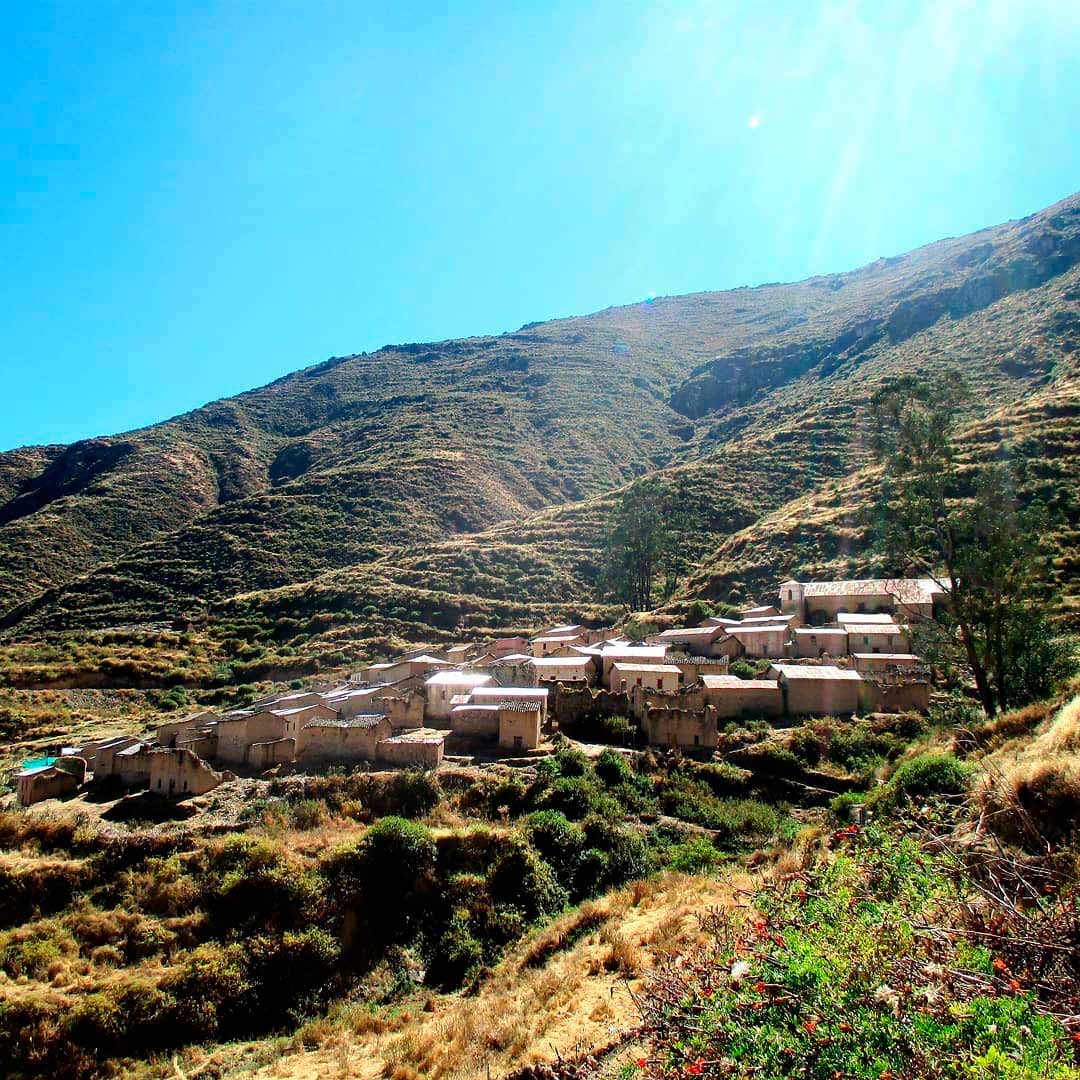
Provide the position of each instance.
(812, 671)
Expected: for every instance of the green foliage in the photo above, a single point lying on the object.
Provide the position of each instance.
(694, 856)
(928, 776)
(828, 979)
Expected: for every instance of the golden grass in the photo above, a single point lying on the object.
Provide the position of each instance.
(563, 990)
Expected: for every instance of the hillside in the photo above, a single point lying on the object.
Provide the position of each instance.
(469, 480)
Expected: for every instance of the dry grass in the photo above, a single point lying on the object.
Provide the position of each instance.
(1030, 792)
(562, 991)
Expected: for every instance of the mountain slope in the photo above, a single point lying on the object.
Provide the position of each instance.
(352, 473)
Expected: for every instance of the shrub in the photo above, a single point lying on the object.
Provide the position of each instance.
(611, 768)
(454, 957)
(559, 842)
(926, 776)
(693, 856)
(521, 879)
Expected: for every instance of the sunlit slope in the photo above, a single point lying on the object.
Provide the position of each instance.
(360, 465)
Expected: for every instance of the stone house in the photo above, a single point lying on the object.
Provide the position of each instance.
(685, 729)
(625, 676)
(820, 601)
(732, 697)
(519, 724)
(265, 755)
(505, 645)
(444, 685)
(693, 667)
(293, 700)
(895, 693)
(513, 670)
(876, 638)
(573, 670)
(180, 772)
(763, 611)
(812, 690)
(342, 740)
(809, 641)
(422, 747)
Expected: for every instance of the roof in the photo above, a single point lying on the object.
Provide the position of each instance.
(758, 620)
(132, 751)
(733, 682)
(634, 652)
(763, 609)
(513, 658)
(872, 628)
(550, 639)
(816, 631)
(566, 628)
(298, 709)
(457, 678)
(419, 735)
(692, 632)
(662, 669)
(474, 708)
(812, 671)
(905, 590)
(518, 705)
(424, 658)
(528, 692)
(775, 628)
(896, 657)
(364, 720)
(561, 661)
(843, 617)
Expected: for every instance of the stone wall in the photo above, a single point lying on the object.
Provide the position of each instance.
(180, 772)
(325, 745)
(688, 729)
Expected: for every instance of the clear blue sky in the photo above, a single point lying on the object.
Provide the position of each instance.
(196, 198)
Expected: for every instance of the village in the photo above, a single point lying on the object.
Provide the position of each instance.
(824, 648)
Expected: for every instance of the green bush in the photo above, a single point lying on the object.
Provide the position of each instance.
(557, 840)
(693, 856)
(521, 879)
(926, 776)
(611, 768)
(454, 957)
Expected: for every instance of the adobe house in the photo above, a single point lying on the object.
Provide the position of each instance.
(732, 697)
(765, 611)
(765, 640)
(702, 640)
(546, 644)
(102, 759)
(573, 670)
(422, 747)
(693, 667)
(475, 720)
(491, 694)
(619, 653)
(54, 781)
(325, 741)
(176, 773)
(519, 724)
(293, 700)
(295, 719)
(685, 729)
(404, 710)
(131, 766)
(821, 601)
(876, 638)
(505, 645)
(444, 685)
(810, 641)
(513, 670)
(167, 732)
(811, 690)
(625, 676)
(236, 733)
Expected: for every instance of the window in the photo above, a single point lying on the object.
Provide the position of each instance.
(862, 607)
(659, 684)
(517, 742)
(697, 740)
(866, 641)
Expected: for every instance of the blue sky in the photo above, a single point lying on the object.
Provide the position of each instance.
(197, 198)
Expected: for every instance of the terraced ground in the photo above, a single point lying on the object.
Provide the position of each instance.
(420, 490)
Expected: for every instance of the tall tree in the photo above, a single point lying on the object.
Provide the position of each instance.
(962, 524)
(642, 548)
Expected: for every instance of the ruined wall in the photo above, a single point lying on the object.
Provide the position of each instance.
(51, 783)
(478, 722)
(427, 755)
(235, 736)
(265, 755)
(758, 697)
(688, 729)
(180, 772)
(895, 695)
(583, 705)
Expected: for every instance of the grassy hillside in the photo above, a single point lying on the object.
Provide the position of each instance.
(492, 456)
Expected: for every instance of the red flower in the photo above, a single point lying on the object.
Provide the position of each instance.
(697, 1068)
(759, 986)
(999, 964)
(1014, 985)
(642, 1062)
(845, 1027)
(811, 1026)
